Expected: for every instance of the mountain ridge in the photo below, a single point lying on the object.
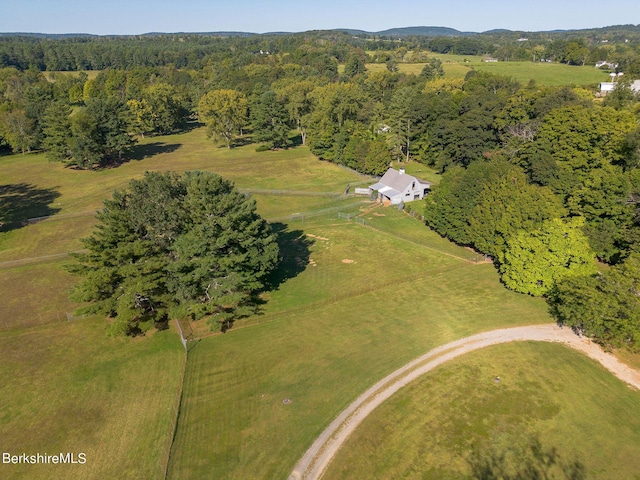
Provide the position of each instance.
(426, 31)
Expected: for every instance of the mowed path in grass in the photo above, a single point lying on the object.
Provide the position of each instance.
(316, 460)
(395, 300)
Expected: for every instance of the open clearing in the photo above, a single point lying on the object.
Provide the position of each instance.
(549, 74)
(330, 333)
(429, 428)
(328, 330)
(69, 388)
(319, 456)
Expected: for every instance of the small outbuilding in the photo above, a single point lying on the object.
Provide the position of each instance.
(396, 187)
(606, 87)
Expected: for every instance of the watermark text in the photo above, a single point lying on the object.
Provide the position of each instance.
(39, 458)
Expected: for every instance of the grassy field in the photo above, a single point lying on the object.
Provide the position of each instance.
(549, 74)
(70, 388)
(352, 301)
(332, 331)
(67, 386)
(429, 429)
(91, 74)
(32, 257)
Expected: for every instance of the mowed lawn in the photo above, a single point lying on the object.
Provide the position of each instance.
(69, 388)
(548, 392)
(394, 301)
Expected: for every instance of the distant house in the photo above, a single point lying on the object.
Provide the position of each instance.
(606, 87)
(397, 187)
(610, 65)
(490, 60)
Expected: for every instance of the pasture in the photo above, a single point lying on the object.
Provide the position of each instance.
(327, 334)
(431, 428)
(545, 74)
(67, 387)
(352, 300)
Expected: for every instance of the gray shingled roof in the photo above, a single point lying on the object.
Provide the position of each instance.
(397, 181)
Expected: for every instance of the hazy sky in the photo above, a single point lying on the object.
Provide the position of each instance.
(142, 16)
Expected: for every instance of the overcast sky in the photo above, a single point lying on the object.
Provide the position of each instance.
(142, 16)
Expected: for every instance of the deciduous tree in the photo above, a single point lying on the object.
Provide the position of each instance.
(224, 112)
(535, 261)
(605, 307)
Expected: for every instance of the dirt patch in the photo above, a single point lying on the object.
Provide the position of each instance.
(317, 237)
(347, 260)
(376, 214)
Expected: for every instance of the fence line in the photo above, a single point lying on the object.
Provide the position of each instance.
(41, 320)
(293, 193)
(175, 411)
(35, 260)
(313, 213)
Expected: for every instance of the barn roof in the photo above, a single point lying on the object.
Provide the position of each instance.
(396, 180)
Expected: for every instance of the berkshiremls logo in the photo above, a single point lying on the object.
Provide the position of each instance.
(25, 458)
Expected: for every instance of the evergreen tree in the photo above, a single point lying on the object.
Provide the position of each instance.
(432, 70)
(171, 245)
(270, 121)
(57, 131)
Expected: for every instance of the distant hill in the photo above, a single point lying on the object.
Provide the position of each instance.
(423, 31)
(427, 31)
(47, 35)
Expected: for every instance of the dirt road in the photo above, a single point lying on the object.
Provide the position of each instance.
(315, 461)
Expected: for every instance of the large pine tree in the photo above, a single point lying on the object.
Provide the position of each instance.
(175, 246)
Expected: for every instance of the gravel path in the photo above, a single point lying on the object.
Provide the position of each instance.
(315, 461)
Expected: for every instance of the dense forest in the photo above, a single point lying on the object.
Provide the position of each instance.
(540, 179)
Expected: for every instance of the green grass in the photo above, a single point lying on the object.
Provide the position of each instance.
(35, 295)
(550, 74)
(546, 391)
(91, 74)
(67, 386)
(85, 190)
(74, 195)
(350, 303)
(333, 330)
(70, 388)
(547, 74)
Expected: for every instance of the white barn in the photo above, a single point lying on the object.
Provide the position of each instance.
(397, 187)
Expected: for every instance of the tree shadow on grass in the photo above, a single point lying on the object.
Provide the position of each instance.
(523, 462)
(295, 251)
(23, 203)
(295, 255)
(140, 152)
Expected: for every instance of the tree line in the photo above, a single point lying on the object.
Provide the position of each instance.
(618, 45)
(544, 181)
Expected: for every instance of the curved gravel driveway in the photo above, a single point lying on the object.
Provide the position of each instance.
(315, 461)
